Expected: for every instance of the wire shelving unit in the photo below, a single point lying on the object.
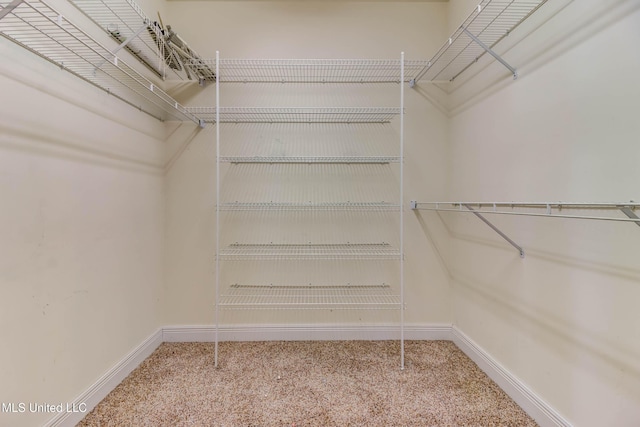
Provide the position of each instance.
(332, 295)
(41, 29)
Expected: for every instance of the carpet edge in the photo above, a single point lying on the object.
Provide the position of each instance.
(105, 384)
(529, 401)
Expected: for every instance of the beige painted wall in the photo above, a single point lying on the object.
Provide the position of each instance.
(457, 12)
(82, 226)
(301, 30)
(565, 318)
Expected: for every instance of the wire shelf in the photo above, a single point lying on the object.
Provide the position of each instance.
(344, 206)
(537, 209)
(334, 297)
(491, 21)
(39, 28)
(157, 47)
(539, 205)
(124, 20)
(296, 115)
(312, 159)
(345, 251)
(314, 70)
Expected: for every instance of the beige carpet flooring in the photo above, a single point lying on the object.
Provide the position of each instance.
(340, 383)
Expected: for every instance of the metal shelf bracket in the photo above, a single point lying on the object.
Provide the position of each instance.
(490, 52)
(496, 229)
(628, 211)
(414, 206)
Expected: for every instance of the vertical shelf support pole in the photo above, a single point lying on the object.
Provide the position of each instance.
(494, 228)
(217, 125)
(402, 210)
(491, 52)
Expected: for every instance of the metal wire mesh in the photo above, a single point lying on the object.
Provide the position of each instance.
(491, 21)
(319, 182)
(156, 46)
(308, 159)
(313, 70)
(310, 297)
(124, 19)
(343, 251)
(340, 206)
(296, 115)
(41, 29)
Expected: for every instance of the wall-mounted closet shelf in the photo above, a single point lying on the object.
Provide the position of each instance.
(315, 70)
(535, 209)
(296, 115)
(550, 210)
(41, 29)
(157, 47)
(330, 297)
(125, 21)
(345, 206)
(486, 26)
(339, 251)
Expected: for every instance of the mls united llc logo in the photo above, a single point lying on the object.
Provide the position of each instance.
(22, 407)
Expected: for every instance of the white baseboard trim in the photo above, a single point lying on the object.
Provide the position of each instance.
(312, 332)
(99, 390)
(532, 404)
(537, 408)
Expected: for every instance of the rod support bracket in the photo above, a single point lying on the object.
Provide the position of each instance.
(414, 204)
(630, 213)
(201, 123)
(412, 83)
(494, 228)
